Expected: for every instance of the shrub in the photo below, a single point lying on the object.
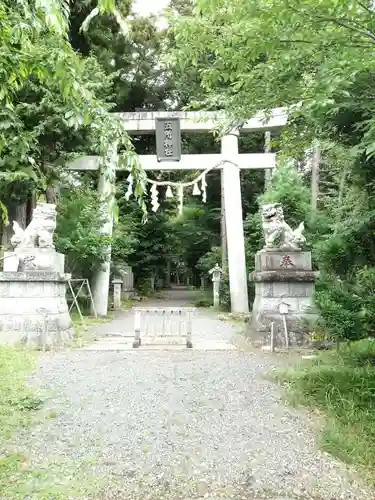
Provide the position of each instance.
(225, 302)
(78, 235)
(342, 385)
(209, 260)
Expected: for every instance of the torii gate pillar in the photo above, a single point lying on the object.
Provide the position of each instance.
(106, 190)
(234, 226)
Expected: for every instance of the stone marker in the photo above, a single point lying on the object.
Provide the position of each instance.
(216, 277)
(117, 284)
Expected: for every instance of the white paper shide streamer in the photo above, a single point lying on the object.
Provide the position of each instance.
(198, 190)
(180, 198)
(129, 191)
(203, 188)
(154, 198)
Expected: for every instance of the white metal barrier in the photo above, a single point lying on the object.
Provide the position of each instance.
(163, 324)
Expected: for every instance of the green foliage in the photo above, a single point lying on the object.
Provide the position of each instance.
(192, 232)
(341, 384)
(16, 399)
(339, 311)
(288, 188)
(203, 298)
(123, 242)
(78, 231)
(144, 288)
(364, 287)
(314, 57)
(346, 258)
(151, 248)
(348, 307)
(225, 302)
(132, 62)
(48, 93)
(266, 55)
(209, 260)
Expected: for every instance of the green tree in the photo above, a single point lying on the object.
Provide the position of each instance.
(281, 53)
(193, 233)
(39, 64)
(78, 234)
(315, 58)
(139, 80)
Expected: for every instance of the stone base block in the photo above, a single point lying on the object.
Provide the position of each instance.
(274, 260)
(298, 329)
(52, 260)
(33, 308)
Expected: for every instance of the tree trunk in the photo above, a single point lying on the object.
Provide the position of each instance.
(315, 177)
(31, 204)
(51, 194)
(341, 196)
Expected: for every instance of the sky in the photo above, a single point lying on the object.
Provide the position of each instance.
(145, 7)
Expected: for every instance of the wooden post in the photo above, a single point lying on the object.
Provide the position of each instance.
(189, 327)
(137, 329)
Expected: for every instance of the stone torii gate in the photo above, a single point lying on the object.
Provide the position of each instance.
(231, 163)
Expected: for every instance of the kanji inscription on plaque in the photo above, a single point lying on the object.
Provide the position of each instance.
(168, 139)
(286, 262)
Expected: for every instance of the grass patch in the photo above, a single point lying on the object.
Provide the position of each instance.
(341, 385)
(127, 304)
(18, 408)
(89, 320)
(58, 481)
(16, 400)
(201, 298)
(84, 334)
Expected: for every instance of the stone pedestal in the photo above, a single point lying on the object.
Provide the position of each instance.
(33, 308)
(282, 277)
(52, 261)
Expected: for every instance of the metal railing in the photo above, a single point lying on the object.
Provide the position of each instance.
(163, 323)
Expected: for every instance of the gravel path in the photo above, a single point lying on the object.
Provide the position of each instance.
(182, 425)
